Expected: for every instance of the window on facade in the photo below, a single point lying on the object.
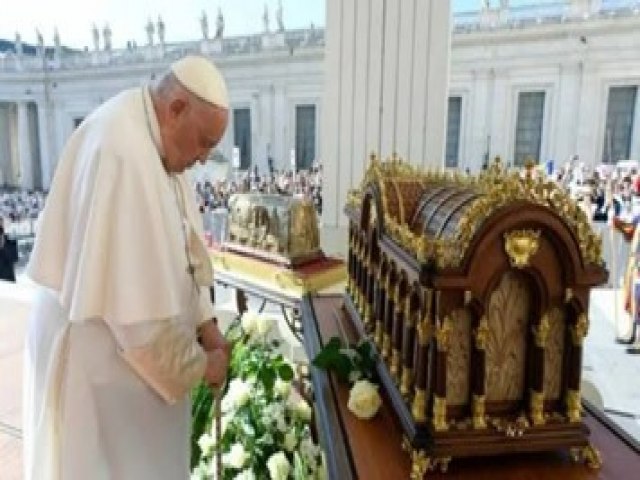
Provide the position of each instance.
(619, 126)
(453, 132)
(305, 136)
(529, 127)
(242, 135)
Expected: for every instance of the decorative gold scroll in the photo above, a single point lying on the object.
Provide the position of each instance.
(496, 188)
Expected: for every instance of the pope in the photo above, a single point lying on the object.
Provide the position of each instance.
(121, 327)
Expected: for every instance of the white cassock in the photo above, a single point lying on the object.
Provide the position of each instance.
(111, 348)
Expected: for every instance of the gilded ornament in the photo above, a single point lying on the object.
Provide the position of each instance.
(541, 331)
(419, 405)
(592, 457)
(420, 463)
(468, 296)
(568, 295)
(386, 346)
(537, 407)
(378, 334)
(521, 245)
(440, 414)
(424, 331)
(405, 384)
(478, 408)
(395, 365)
(443, 332)
(580, 329)
(574, 407)
(587, 454)
(482, 333)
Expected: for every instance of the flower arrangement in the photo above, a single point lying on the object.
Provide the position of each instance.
(265, 427)
(355, 364)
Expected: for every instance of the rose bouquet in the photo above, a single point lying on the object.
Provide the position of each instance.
(265, 424)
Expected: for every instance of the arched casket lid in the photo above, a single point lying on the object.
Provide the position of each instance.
(435, 216)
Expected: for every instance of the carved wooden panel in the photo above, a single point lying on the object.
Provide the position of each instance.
(553, 354)
(508, 320)
(458, 358)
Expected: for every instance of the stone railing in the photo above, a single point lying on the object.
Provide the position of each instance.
(556, 12)
(248, 44)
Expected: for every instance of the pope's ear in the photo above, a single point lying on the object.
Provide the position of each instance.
(177, 107)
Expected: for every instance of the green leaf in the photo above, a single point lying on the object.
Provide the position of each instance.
(285, 372)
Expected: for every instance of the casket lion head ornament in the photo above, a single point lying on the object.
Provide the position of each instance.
(521, 245)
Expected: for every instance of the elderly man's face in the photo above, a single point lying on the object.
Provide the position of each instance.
(193, 129)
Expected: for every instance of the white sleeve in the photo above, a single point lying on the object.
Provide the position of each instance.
(206, 307)
(165, 354)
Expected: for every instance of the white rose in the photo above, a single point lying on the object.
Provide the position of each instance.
(201, 472)
(206, 443)
(249, 322)
(237, 396)
(237, 456)
(282, 388)
(281, 424)
(290, 441)
(278, 466)
(302, 410)
(298, 406)
(246, 474)
(263, 326)
(308, 450)
(364, 399)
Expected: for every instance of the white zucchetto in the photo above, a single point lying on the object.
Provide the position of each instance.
(202, 78)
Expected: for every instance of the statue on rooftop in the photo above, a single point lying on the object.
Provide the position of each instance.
(160, 30)
(56, 38)
(18, 45)
(279, 17)
(150, 31)
(57, 52)
(265, 18)
(219, 25)
(40, 42)
(204, 26)
(96, 38)
(106, 34)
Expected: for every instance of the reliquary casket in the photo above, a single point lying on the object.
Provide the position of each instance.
(276, 228)
(475, 292)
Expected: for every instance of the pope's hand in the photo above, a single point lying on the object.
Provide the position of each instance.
(216, 370)
(212, 339)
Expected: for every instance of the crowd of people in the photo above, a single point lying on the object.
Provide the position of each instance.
(605, 192)
(20, 205)
(305, 183)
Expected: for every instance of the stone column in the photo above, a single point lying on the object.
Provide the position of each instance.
(46, 158)
(366, 41)
(635, 134)
(24, 147)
